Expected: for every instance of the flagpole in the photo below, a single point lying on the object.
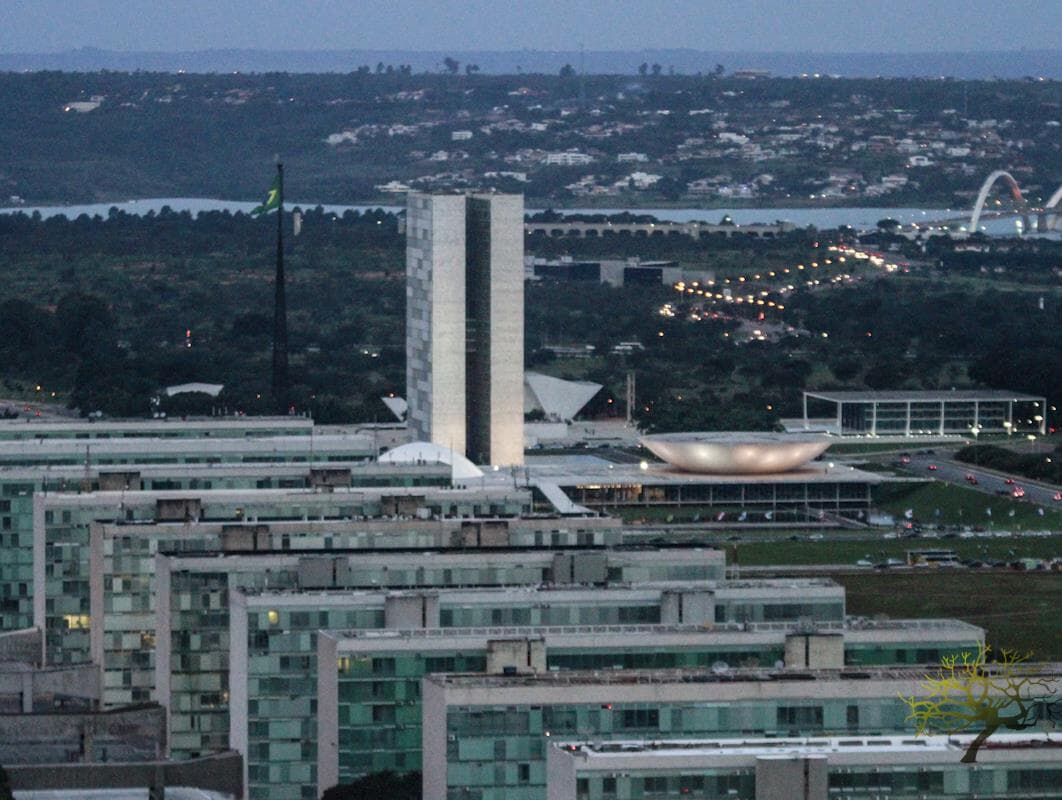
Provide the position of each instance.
(280, 311)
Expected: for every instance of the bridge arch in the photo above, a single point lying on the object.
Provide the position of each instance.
(986, 187)
(1052, 212)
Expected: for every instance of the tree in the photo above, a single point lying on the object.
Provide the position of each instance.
(719, 71)
(972, 693)
(643, 69)
(567, 71)
(888, 225)
(452, 65)
(378, 785)
(470, 68)
(656, 69)
(5, 786)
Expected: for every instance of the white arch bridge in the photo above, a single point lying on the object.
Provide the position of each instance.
(1047, 217)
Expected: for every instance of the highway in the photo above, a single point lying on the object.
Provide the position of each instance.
(988, 482)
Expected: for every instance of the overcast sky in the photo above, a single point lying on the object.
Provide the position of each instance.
(714, 25)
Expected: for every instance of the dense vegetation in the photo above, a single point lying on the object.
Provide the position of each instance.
(214, 135)
(1043, 466)
(104, 312)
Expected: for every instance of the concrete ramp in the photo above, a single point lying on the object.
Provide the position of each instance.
(559, 500)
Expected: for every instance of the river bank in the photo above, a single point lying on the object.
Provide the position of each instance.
(821, 217)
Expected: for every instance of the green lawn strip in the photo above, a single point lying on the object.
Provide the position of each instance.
(959, 505)
(751, 552)
(1019, 611)
(855, 448)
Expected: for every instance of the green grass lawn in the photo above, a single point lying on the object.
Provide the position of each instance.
(857, 448)
(1019, 611)
(760, 550)
(958, 505)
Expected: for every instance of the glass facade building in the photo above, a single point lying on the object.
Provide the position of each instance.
(1014, 765)
(486, 737)
(193, 627)
(62, 523)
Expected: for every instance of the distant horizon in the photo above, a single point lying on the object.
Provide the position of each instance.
(513, 50)
(956, 64)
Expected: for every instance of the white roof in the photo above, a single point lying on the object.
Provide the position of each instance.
(212, 389)
(559, 399)
(431, 453)
(397, 405)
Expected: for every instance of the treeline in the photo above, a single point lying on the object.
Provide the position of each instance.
(107, 311)
(1042, 466)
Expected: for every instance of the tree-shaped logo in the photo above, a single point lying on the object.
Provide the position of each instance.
(970, 693)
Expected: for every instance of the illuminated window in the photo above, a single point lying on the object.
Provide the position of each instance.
(273, 616)
(77, 622)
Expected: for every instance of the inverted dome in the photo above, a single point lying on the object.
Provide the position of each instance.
(736, 453)
(431, 453)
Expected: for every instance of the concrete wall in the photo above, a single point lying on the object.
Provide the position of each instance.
(814, 650)
(560, 774)
(496, 281)
(791, 778)
(433, 740)
(327, 713)
(516, 655)
(695, 607)
(411, 611)
(218, 773)
(130, 734)
(22, 647)
(435, 318)
(44, 689)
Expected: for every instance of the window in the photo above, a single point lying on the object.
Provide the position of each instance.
(641, 718)
(853, 717)
(801, 717)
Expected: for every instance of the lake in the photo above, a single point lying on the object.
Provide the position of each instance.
(859, 218)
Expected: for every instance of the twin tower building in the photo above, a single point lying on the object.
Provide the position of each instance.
(465, 324)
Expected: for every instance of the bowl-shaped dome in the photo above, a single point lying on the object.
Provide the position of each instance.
(735, 453)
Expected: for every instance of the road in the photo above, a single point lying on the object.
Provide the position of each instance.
(988, 482)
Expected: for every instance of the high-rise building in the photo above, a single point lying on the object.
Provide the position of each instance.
(465, 323)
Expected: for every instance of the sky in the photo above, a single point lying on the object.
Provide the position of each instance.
(826, 26)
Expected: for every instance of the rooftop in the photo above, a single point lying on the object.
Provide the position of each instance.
(629, 677)
(890, 396)
(810, 746)
(694, 630)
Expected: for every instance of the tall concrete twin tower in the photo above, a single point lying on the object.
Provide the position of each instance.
(465, 324)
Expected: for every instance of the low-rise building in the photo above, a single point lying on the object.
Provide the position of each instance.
(1018, 765)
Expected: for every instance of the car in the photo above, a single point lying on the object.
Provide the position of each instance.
(932, 467)
(1058, 497)
(1008, 481)
(971, 479)
(864, 563)
(905, 459)
(1017, 492)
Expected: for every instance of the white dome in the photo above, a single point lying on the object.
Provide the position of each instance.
(431, 453)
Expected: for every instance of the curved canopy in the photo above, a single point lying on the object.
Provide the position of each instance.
(431, 453)
(736, 453)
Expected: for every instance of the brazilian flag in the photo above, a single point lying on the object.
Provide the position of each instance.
(272, 201)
